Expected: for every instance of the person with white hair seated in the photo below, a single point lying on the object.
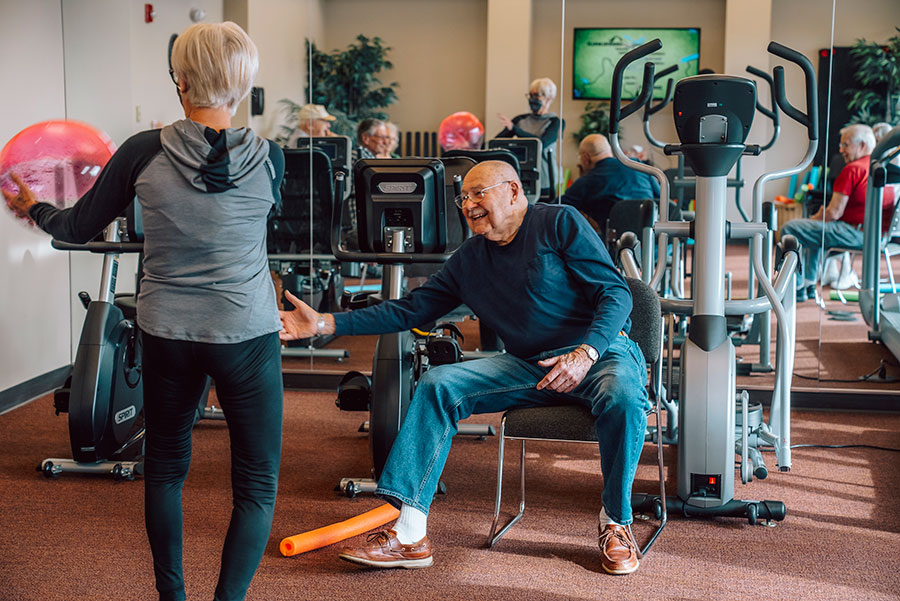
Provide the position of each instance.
(539, 123)
(840, 222)
(313, 121)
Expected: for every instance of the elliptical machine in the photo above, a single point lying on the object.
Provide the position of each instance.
(713, 114)
(103, 395)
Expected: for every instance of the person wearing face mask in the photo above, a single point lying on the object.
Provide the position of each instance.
(539, 123)
(541, 278)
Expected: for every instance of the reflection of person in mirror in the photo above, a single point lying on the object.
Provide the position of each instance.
(394, 133)
(207, 305)
(638, 153)
(840, 222)
(374, 139)
(539, 123)
(313, 121)
(604, 181)
(881, 130)
(543, 280)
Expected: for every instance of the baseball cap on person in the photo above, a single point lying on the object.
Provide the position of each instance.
(314, 111)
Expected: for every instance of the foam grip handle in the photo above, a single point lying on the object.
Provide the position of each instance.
(328, 535)
(618, 73)
(811, 118)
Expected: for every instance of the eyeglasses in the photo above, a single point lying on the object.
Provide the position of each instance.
(172, 76)
(477, 196)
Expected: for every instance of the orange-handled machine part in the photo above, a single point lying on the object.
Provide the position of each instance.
(327, 535)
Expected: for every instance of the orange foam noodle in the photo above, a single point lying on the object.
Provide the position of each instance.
(328, 535)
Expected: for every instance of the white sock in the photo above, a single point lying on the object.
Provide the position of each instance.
(604, 519)
(411, 525)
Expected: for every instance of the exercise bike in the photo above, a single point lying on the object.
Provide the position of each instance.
(103, 395)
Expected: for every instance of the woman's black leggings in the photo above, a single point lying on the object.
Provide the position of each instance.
(249, 389)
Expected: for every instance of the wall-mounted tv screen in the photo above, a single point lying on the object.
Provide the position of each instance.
(597, 50)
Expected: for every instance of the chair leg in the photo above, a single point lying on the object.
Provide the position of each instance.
(887, 258)
(499, 493)
(493, 538)
(662, 483)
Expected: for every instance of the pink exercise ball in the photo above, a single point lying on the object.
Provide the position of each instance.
(461, 130)
(59, 160)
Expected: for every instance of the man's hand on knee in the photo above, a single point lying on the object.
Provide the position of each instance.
(567, 371)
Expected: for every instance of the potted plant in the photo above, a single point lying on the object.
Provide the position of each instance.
(878, 73)
(346, 82)
(594, 120)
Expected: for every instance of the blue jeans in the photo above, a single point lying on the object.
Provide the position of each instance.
(614, 389)
(809, 232)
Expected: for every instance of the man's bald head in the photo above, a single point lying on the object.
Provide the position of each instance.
(595, 145)
(492, 172)
(593, 149)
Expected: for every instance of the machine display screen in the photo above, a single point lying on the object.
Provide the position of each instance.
(596, 52)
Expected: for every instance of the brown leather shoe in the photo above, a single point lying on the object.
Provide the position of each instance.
(618, 552)
(383, 550)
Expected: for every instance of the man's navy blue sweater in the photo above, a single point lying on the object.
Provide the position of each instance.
(554, 286)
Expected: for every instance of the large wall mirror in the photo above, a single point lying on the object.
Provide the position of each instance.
(861, 95)
(477, 56)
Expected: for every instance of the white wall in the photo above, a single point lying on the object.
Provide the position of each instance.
(438, 53)
(153, 96)
(34, 295)
(280, 29)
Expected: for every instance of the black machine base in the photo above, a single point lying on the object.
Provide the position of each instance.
(751, 510)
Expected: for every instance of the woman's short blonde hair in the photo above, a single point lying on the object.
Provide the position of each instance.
(543, 86)
(218, 62)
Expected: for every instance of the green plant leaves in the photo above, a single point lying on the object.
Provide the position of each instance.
(877, 70)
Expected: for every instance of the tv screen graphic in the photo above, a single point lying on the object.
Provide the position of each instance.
(597, 50)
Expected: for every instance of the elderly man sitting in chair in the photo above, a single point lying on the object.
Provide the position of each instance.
(840, 222)
(540, 277)
(604, 181)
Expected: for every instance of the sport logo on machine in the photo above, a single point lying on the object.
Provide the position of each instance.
(125, 414)
(397, 187)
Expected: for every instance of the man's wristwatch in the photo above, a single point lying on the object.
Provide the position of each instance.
(320, 326)
(591, 352)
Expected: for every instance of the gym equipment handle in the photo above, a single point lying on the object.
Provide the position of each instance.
(649, 108)
(773, 114)
(615, 111)
(811, 118)
(100, 247)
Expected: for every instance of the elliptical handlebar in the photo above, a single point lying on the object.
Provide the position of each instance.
(811, 118)
(771, 114)
(650, 108)
(616, 111)
(99, 247)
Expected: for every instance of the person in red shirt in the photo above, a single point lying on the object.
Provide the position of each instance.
(840, 222)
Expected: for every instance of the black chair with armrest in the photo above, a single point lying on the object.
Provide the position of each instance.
(575, 423)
